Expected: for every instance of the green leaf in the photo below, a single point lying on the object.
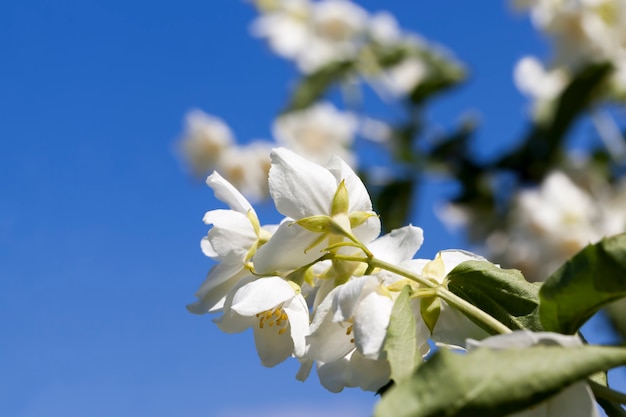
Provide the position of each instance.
(543, 144)
(393, 203)
(315, 85)
(502, 293)
(591, 279)
(493, 383)
(401, 342)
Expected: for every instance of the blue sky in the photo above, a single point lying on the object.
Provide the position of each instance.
(100, 224)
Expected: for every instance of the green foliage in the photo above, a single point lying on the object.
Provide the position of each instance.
(493, 383)
(502, 293)
(591, 279)
(541, 148)
(312, 87)
(400, 343)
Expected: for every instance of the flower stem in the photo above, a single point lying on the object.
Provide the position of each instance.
(465, 307)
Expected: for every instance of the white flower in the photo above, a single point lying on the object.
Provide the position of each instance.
(276, 311)
(350, 324)
(543, 86)
(231, 241)
(313, 34)
(573, 401)
(551, 223)
(205, 140)
(317, 133)
(452, 327)
(285, 27)
(306, 192)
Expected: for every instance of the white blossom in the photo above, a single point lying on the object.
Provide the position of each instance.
(317, 133)
(304, 190)
(277, 313)
(231, 241)
(205, 140)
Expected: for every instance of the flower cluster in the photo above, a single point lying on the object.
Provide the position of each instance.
(583, 32)
(548, 224)
(317, 132)
(320, 286)
(209, 144)
(315, 34)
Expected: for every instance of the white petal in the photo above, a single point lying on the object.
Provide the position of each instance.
(357, 193)
(217, 276)
(300, 188)
(298, 314)
(368, 374)
(348, 295)
(369, 230)
(335, 375)
(399, 245)
(286, 250)
(261, 295)
(213, 299)
(453, 328)
(231, 321)
(272, 347)
(453, 257)
(371, 320)
(224, 191)
(231, 236)
(328, 340)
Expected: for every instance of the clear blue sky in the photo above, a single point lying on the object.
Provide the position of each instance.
(100, 224)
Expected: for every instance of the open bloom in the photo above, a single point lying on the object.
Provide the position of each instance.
(313, 34)
(322, 202)
(205, 140)
(276, 311)
(232, 241)
(350, 324)
(574, 401)
(317, 133)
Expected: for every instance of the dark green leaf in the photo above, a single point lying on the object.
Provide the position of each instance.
(401, 342)
(503, 293)
(493, 383)
(543, 144)
(393, 203)
(315, 85)
(591, 279)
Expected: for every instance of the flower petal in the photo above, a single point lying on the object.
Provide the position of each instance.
(261, 295)
(300, 188)
(226, 192)
(335, 375)
(453, 328)
(298, 314)
(399, 245)
(215, 286)
(272, 346)
(286, 250)
(328, 341)
(231, 236)
(371, 320)
(347, 296)
(357, 193)
(368, 374)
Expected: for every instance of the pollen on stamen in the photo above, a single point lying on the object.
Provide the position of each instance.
(283, 330)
